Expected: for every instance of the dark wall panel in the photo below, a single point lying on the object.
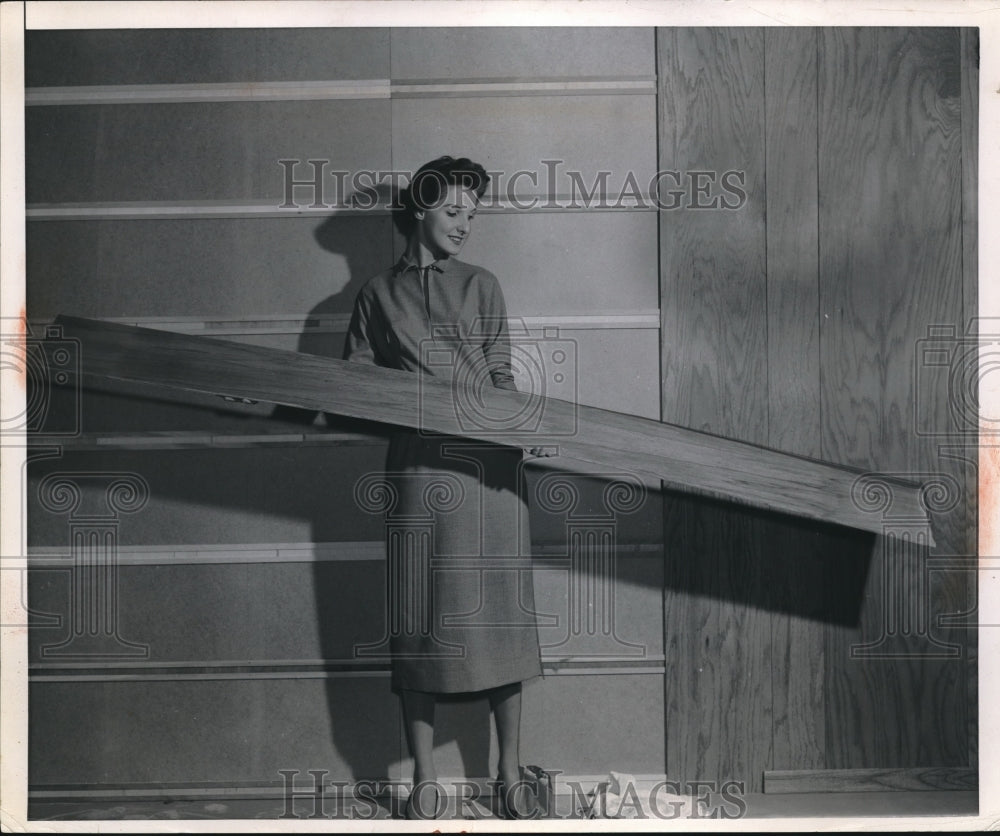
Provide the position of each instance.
(204, 267)
(201, 496)
(197, 151)
(569, 262)
(203, 56)
(224, 732)
(525, 52)
(267, 614)
(235, 613)
(512, 134)
(565, 724)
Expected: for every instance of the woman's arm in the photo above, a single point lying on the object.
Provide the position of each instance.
(496, 338)
(357, 346)
(496, 349)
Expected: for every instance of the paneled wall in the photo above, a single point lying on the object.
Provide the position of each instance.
(801, 322)
(250, 577)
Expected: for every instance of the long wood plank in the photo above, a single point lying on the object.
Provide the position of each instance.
(683, 458)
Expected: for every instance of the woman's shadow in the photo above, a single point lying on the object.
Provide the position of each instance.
(360, 738)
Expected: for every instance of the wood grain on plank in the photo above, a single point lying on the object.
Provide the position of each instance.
(715, 377)
(712, 269)
(889, 268)
(691, 460)
(793, 383)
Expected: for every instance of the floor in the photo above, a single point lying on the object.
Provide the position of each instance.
(809, 805)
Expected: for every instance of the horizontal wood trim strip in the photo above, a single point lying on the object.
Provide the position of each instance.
(170, 210)
(575, 87)
(298, 324)
(196, 439)
(870, 780)
(587, 439)
(285, 91)
(253, 91)
(45, 557)
(250, 665)
(207, 790)
(186, 672)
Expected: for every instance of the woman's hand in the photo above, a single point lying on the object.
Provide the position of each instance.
(542, 452)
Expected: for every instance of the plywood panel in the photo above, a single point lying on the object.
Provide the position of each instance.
(207, 268)
(793, 377)
(713, 313)
(519, 134)
(205, 151)
(177, 56)
(714, 376)
(525, 52)
(889, 208)
(718, 646)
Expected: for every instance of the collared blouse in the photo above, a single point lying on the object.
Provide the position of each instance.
(448, 319)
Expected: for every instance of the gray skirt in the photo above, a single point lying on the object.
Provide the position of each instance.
(461, 604)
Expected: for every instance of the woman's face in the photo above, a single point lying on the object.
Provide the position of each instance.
(445, 228)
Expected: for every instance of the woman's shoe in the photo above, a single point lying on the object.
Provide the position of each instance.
(513, 803)
(419, 809)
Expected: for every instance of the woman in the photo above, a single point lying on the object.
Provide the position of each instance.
(479, 632)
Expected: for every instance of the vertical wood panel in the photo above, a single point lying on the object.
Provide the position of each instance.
(712, 260)
(793, 376)
(714, 368)
(890, 265)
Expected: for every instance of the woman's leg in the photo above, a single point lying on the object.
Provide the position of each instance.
(418, 717)
(505, 702)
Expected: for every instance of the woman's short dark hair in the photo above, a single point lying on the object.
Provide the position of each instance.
(431, 181)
